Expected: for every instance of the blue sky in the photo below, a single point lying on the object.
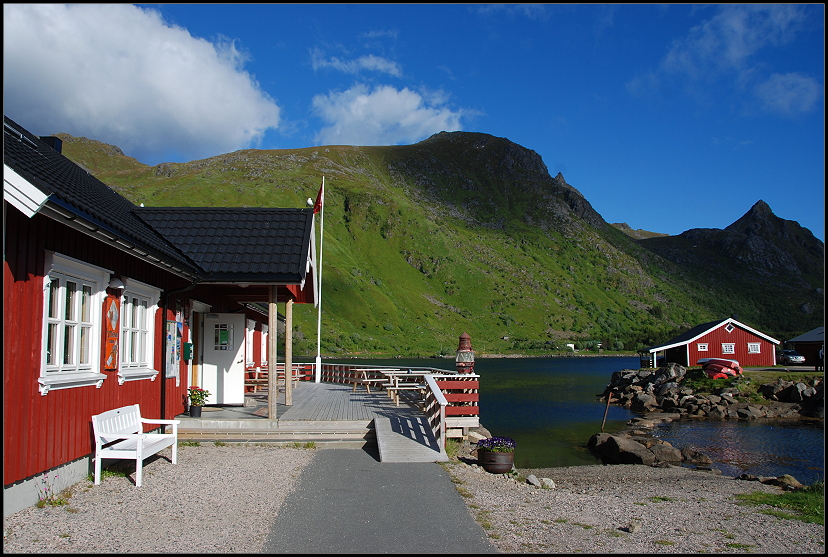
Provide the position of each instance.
(666, 117)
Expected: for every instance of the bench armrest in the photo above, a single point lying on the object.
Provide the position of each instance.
(148, 421)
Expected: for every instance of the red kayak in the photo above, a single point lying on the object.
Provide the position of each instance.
(730, 367)
(717, 371)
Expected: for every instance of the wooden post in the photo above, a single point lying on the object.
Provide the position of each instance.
(289, 350)
(272, 344)
(609, 398)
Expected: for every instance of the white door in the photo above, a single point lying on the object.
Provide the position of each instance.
(223, 349)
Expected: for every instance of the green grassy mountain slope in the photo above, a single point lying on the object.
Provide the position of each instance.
(460, 232)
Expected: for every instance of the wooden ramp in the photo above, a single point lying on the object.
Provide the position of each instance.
(406, 439)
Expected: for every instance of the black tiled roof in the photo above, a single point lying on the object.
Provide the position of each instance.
(216, 244)
(74, 189)
(255, 244)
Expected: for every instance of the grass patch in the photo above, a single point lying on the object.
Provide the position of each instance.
(739, 546)
(220, 444)
(189, 444)
(660, 499)
(453, 447)
(807, 505)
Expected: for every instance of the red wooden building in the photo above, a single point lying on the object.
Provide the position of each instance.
(108, 304)
(726, 338)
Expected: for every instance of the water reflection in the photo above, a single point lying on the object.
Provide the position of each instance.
(760, 447)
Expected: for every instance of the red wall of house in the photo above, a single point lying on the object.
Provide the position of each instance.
(41, 432)
(740, 337)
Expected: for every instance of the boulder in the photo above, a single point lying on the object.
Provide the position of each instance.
(664, 452)
(623, 450)
(785, 481)
(693, 456)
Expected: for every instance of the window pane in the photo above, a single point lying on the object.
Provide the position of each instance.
(142, 347)
(71, 293)
(83, 357)
(133, 353)
(68, 344)
(86, 303)
(125, 348)
(51, 344)
(134, 318)
(52, 304)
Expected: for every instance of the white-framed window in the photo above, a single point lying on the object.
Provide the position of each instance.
(139, 304)
(702, 347)
(754, 348)
(223, 337)
(728, 348)
(73, 294)
(729, 327)
(248, 341)
(264, 344)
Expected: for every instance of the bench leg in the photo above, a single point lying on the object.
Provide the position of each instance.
(97, 468)
(139, 464)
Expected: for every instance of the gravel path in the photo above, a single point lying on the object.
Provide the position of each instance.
(222, 499)
(217, 499)
(628, 509)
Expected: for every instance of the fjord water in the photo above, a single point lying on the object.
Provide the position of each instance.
(550, 407)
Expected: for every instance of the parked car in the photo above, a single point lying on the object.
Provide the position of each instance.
(789, 357)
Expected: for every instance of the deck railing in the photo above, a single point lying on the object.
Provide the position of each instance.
(451, 398)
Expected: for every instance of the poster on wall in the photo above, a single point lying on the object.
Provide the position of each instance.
(112, 320)
(173, 349)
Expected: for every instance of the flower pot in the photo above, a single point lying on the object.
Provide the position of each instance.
(195, 411)
(495, 463)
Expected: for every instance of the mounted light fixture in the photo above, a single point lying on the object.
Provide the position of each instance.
(116, 284)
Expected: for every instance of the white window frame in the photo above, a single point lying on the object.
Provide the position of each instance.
(248, 342)
(144, 367)
(754, 347)
(65, 376)
(728, 348)
(264, 344)
(702, 347)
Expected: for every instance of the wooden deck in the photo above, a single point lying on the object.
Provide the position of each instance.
(327, 413)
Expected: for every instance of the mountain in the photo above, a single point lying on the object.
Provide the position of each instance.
(636, 234)
(469, 232)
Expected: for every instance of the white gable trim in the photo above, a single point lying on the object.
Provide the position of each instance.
(22, 194)
(719, 325)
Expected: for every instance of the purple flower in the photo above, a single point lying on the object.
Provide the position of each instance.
(497, 444)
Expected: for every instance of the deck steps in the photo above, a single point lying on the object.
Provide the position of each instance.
(357, 432)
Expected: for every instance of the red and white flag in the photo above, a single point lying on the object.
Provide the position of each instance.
(319, 199)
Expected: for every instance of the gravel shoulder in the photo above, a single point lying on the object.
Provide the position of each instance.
(223, 499)
(628, 509)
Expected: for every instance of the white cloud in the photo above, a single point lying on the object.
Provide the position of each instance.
(725, 52)
(121, 74)
(369, 62)
(382, 116)
(727, 41)
(788, 94)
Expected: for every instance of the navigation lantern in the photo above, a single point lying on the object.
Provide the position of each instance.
(465, 355)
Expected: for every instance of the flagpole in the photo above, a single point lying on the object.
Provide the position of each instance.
(318, 368)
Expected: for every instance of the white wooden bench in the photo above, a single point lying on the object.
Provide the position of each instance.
(120, 434)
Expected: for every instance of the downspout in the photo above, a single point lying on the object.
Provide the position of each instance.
(166, 298)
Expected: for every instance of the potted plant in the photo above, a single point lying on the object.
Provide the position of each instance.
(198, 397)
(496, 454)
